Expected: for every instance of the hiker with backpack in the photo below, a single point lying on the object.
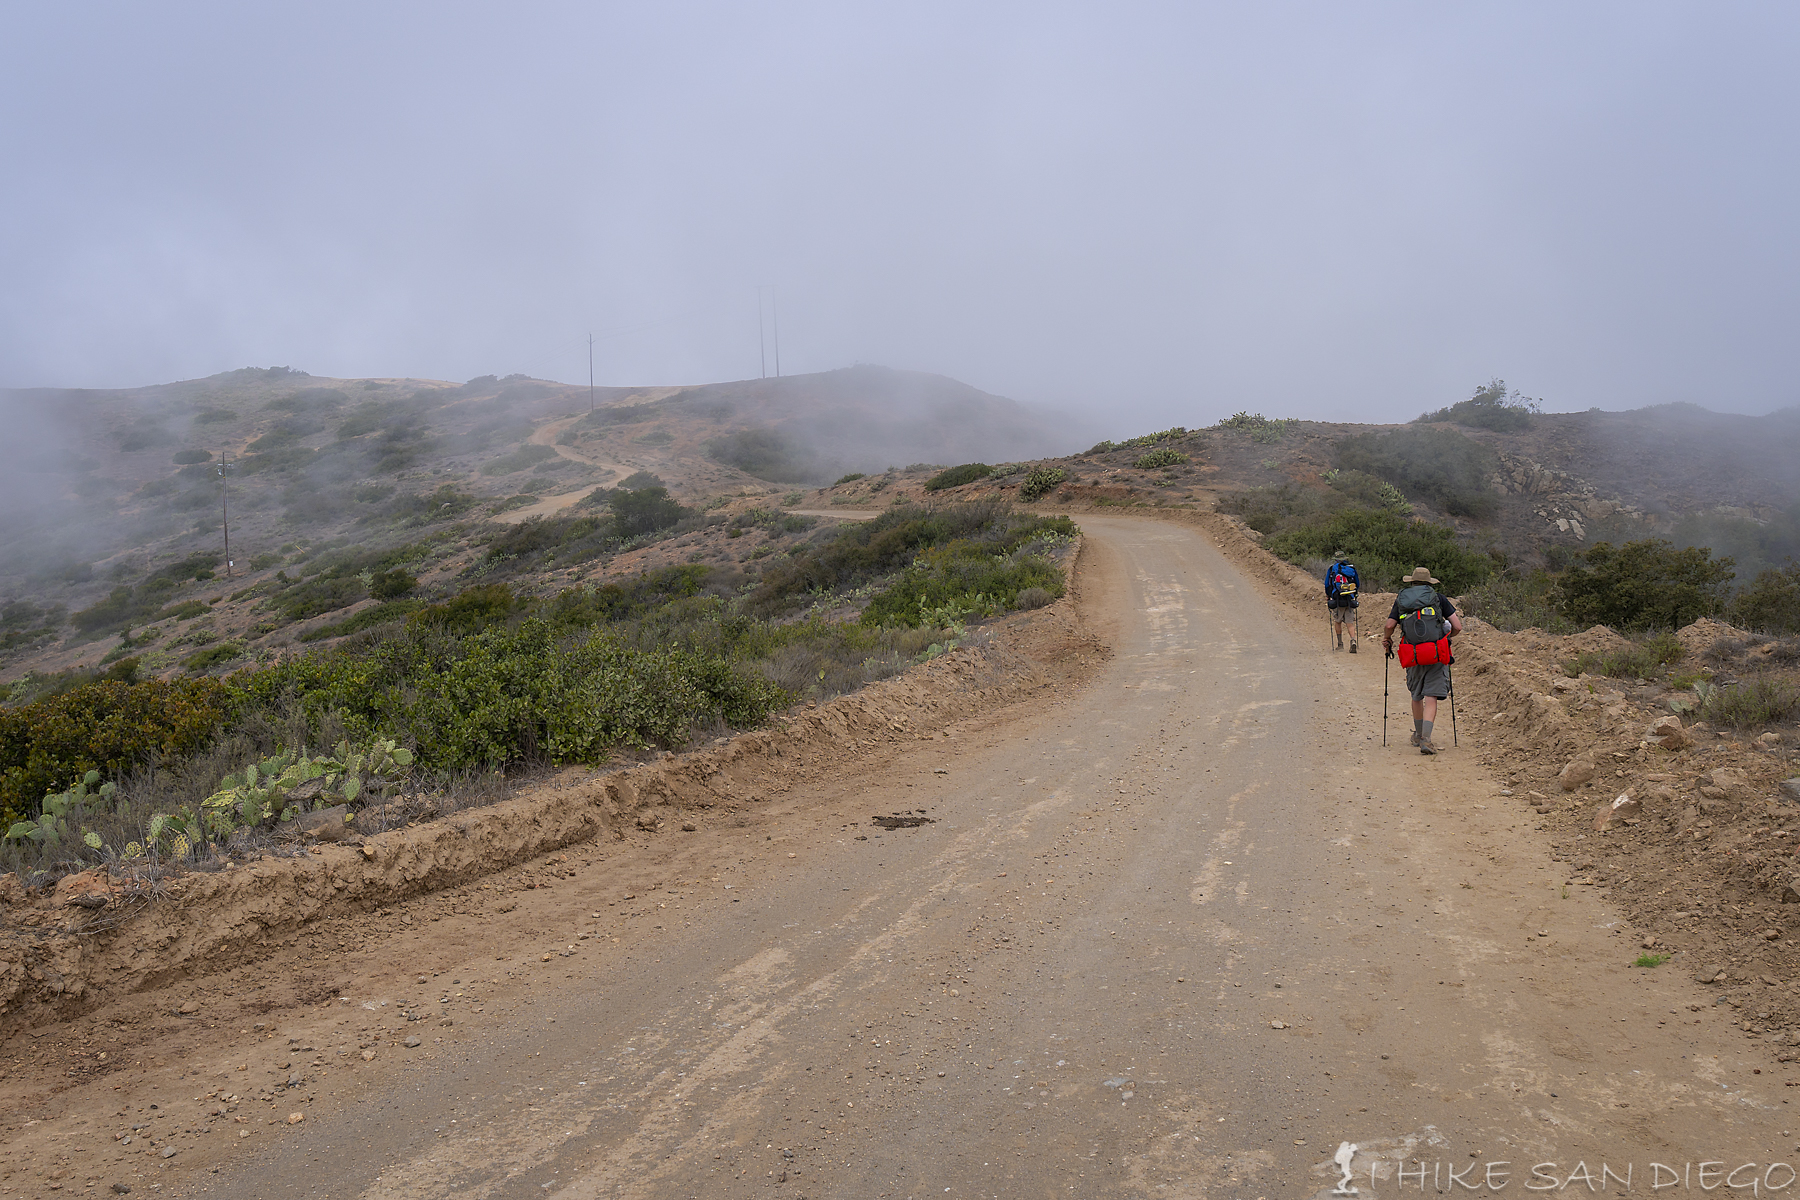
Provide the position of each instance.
(1426, 622)
(1340, 599)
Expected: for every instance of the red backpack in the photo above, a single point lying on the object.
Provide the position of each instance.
(1424, 631)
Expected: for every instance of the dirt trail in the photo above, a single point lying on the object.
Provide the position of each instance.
(1179, 931)
(546, 435)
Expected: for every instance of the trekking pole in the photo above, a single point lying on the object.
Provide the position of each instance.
(1384, 698)
(1450, 674)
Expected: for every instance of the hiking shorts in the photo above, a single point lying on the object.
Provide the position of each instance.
(1344, 614)
(1428, 681)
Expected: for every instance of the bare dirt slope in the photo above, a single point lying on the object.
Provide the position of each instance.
(1178, 930)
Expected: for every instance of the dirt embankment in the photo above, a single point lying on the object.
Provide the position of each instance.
(59, 960)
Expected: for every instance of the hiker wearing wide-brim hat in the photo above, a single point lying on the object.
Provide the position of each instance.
(1426, 621)
(1341, 583)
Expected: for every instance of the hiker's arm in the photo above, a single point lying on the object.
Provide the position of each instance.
(1455, 624)
(1387, 633)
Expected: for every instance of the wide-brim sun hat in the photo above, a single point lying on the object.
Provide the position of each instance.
(1341, 556)
(1420, 575)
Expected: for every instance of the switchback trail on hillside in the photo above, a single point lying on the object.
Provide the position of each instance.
(1180, 932)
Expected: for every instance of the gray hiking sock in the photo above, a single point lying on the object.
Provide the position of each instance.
(1425, 730)
(1417, 722)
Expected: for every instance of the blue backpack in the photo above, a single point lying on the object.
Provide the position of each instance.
(1340, 583)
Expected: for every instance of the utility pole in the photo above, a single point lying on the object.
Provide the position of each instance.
(775, 319)
(762, 338)
(590, 374)
(225, 468)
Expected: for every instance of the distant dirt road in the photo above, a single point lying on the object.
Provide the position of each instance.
(546, 435)
(1178, 934)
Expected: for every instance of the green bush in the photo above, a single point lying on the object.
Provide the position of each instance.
(368, 618)
(644, 510)
(1646, 660)
(204, 660)
(189, 457)
(1385, 546)
(1644, 583)
(852, 477)
(472, 610)
(1041, 480)
(106, 726)
(392, 583)
(1752, 703)
(1490, 408)
(958, 584)
(510, 694)
(863, 552)
(1164, 456)
(1513, 602)
(1771, 604)
(1448, 468)
(957, 476)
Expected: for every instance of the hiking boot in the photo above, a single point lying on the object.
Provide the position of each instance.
(1427, 748)
(1353, 647)
(1415, 737)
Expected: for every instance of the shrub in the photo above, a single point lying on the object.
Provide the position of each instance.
(188, 457)
(1644, 583)
(644, 510)
(472, 610)
(852, 477)
(1644, 661)
(201, 661)
(1165, 456)
(1771, 604)
(1513, 602)
(1442, 465)
(1384, 546)
(106, 726)
(957, 476)
(368, 618)
(392, 584)
(505, 695)
(1041, 480)
(1264, 430)
(1490, 408)
(868, 550)
(958, 579)
(1757, 701)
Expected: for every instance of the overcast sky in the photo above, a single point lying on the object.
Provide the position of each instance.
(1154, 214)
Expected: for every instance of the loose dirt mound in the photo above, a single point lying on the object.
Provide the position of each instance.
(1706, 633)
(1598, 640)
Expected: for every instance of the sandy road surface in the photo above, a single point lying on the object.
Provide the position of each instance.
(1179, 934)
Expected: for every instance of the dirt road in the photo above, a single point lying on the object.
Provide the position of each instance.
(546, 435)
(1177, 934)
